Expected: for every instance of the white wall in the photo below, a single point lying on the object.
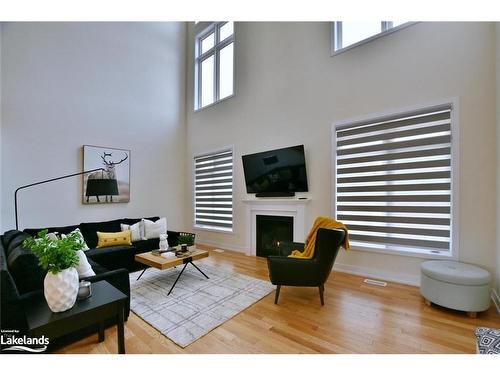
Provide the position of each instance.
(290, 91)
(109, 84)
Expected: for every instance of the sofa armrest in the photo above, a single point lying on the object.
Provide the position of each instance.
(119, 279)
(12, 315)
(173, 238)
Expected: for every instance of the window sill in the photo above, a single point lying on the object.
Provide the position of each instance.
(214, 103)
(407, 253)
(210, 229)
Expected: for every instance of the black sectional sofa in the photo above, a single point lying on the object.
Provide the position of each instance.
(21, 276)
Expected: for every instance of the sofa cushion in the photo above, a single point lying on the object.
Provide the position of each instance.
(62, 230)
(113, 257)
(9, 236)
(129, 221)
(89, 230)
(79, 234)
(84, 268)
(153, 229)
(136, 232)
(24, 268)
(127, 224)
(16, 242)
(11, 314)
(3, 258)
(147, 245)
(110, 250)
(98, 269)
(112, 239)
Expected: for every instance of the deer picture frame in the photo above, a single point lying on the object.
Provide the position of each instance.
(112, 183)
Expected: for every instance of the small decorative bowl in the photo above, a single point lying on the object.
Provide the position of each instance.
(84, 290)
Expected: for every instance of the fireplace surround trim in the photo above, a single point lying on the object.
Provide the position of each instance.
(295, 208)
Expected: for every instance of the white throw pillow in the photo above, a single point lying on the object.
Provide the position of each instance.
(82, 240)
(136, 230)
(84, 268)
(153, 229)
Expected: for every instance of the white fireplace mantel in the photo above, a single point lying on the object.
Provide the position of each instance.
(292, 207)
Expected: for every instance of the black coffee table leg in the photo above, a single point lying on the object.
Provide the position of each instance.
(203, 273)
(121, 332)
(144, 270)
(101, 332)
(178, 277)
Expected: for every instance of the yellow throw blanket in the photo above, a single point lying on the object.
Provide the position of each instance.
(320, 222)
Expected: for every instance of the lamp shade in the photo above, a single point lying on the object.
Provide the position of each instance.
(96, 187)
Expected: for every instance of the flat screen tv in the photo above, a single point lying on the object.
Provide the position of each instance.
(276, 172)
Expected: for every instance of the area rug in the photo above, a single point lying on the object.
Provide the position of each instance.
(196, 305)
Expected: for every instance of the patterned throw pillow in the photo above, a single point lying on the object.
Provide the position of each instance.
(80, 235)
(54, 236)
(113, 239)
(488, 340)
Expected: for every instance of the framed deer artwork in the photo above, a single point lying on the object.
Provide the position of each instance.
(111, 184)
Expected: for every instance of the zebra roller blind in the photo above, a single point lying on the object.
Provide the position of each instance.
(393, 181)
(214, 190)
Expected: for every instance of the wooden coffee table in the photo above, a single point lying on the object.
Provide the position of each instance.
(163, 263)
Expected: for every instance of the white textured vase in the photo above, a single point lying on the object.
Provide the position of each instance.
(61, 289)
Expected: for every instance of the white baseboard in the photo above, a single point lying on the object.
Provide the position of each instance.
(378, 274)
(355, 270)
(239, 249)
(359, 271)
(495, 299)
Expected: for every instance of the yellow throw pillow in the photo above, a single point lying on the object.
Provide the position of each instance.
(105, 239)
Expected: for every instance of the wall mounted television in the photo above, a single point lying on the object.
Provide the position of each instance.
(280, 172)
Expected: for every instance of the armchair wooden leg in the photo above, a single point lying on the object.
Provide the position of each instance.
(321, 290)
(276, 296)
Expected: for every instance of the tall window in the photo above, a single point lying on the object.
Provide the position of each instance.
(394, 181)
(346, 35)
(213, 186)
(214, 64)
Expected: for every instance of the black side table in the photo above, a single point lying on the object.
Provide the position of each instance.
(106, 302)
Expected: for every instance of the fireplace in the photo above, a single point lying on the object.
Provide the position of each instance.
(294, 209)
(271, 231)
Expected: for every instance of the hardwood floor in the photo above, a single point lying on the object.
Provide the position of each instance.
(356, 318)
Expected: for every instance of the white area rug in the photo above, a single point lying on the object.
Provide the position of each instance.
(196, 305)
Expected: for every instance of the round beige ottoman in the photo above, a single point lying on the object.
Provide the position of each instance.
(455, 285)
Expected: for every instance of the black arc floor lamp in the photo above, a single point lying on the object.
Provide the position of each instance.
(50, 180)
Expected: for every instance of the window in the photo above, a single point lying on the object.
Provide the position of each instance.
(213, 186)
(214, 64)
(393, 182)
(346, 35)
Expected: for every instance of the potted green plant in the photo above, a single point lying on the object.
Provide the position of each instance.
(186, 239)
(59, 258)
